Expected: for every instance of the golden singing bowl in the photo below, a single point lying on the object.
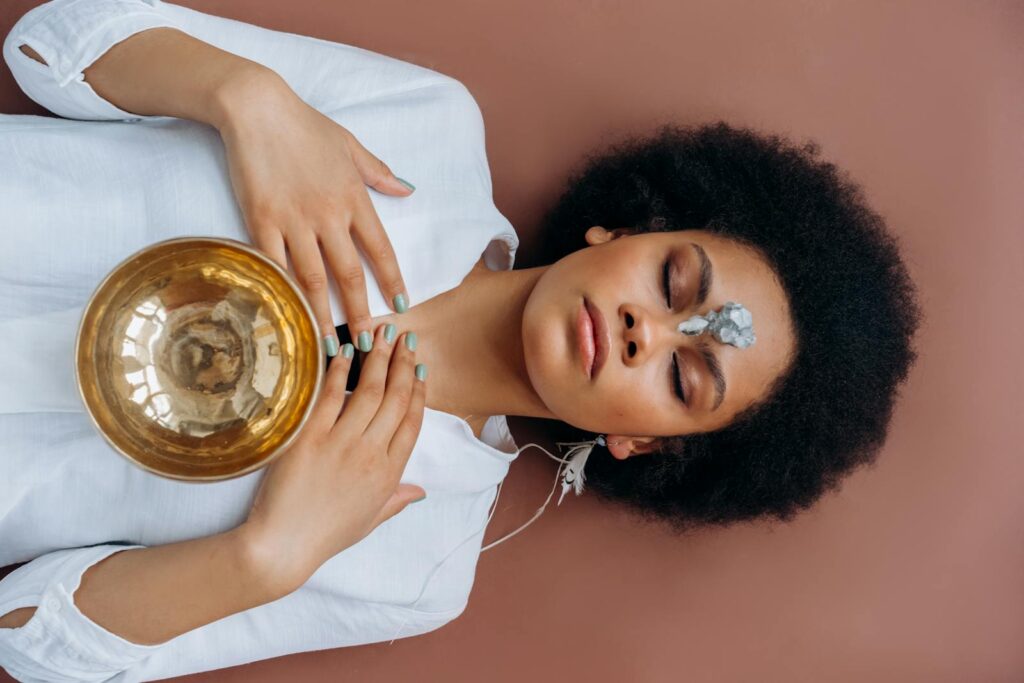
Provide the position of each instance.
(199, 359)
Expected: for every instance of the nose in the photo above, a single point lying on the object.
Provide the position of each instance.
(646, 332)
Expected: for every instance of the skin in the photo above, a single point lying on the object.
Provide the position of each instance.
(519, 354)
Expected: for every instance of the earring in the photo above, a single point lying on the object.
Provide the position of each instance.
(573, 478)
(576, 458)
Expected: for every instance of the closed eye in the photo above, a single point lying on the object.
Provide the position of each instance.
(674, 376)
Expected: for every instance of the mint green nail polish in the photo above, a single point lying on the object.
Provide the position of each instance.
(332, 345)
(418, 500)
(401, 305)
(365, 341)
(389, 332)
(406, 183)
(421, 371)
(348, 350)
(410, 341)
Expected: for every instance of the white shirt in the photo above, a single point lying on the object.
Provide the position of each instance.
(77, 198)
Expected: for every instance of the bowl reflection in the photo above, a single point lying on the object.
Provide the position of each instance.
(198, 359)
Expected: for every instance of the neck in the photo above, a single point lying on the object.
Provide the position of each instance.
(470, 338)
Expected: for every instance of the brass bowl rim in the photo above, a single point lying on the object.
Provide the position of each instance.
(289, 280)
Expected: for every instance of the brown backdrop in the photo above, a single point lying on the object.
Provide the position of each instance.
(915, 571)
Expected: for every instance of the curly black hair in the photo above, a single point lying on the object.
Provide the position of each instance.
(854, 308)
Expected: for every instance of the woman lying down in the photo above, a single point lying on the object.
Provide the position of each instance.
(718, 332)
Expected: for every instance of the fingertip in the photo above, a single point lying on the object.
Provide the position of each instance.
(392, 188)
(344, 362)
(365, 341)
(411, 492)
(419, 392)
(331, 345)
(406, 184)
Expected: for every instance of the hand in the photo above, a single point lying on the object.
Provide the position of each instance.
(339, 480)
(300, 180)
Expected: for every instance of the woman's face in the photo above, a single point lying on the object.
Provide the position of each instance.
(633, 393)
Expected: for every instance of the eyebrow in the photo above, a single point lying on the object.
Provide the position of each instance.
(706, 274)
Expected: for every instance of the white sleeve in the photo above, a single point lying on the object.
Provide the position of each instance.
(72, 34)
(59, 643)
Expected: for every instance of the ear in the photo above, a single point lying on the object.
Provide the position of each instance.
(622, 447)
(598, 235)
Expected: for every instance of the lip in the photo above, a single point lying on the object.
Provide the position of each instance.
(585, 339)
(601, 338)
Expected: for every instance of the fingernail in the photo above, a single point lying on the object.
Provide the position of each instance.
(419, 499)
(406, 183)
(389, 333)
(410, 341)
(400, 302)
(421, 371)
(331, 344)
(348, 350)
(365, 341)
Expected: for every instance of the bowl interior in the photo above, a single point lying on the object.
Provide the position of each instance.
(198, 359)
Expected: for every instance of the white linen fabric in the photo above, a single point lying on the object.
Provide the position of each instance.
(78, 195)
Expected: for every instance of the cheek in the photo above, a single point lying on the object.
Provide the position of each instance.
(633, 408)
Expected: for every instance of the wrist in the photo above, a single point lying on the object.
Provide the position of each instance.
(276, 573)
(244, 94)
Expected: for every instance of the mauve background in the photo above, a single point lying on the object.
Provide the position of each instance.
(915, 570)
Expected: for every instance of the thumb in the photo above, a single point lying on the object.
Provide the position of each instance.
(376, 173)
(403, 495)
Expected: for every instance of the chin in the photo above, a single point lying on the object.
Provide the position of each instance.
(562, 389)
(551, 363)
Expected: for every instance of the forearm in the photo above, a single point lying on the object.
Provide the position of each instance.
(151, 595)
(165, 72)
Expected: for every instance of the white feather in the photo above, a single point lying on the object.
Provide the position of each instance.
(573, 476)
